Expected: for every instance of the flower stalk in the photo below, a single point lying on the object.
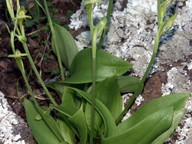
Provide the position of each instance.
(96, 33)
(54, 40)
(165, 23)
(19, 32)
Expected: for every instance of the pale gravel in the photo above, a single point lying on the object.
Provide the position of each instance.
(8, 119)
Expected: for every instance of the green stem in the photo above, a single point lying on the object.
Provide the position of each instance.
(94, 76)
(22, 69)
(109, 10)
(156, 46)
(140, 86)
(89, 10)
(127, 107)
(12, 41)
(26, 82)
(37, 73)
(159, 11)
(54, 41)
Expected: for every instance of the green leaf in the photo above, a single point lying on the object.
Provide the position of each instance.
(64, 143)
(109, 121)
(97, 121)
(68, 106)
(66, 44)
(66, 131)
(166, 3)
(66, 111)
(108, 93)
(59, 88)
(41, 131)
(146, 130)
(78, 120)
(169, 23)
(176, 120)
(107, 66)
(128, 83)
(68, 101)
(176, 100)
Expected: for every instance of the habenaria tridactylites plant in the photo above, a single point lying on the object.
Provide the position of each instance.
(91, 105)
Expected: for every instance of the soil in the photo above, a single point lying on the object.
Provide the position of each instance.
(11, 83)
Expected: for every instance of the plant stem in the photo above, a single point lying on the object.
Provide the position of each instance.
(12, 41)
(140, 86)
(109, 10)
(94, 76)
(54, 41)
(37, 73)
(89, 10)
(93, 32)
(22, 69)
(156, 46)
(93, 99)
(127, 107)
(159, 12)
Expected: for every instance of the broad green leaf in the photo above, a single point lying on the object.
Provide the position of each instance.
(176, 120)
(109, 121)
(63, 110)
(78, 120)
(68, 106)
(146, 130)
(63, 142)
(108, 93)
(97, 121)
(65, 114)
(176, 100)
(68, 100)
(59, 88)
(107, 66)
(66, 44)
(128, 83)
(65, 94)
(40, 129)
(66, 131)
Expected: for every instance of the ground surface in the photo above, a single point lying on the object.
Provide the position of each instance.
(11, 83)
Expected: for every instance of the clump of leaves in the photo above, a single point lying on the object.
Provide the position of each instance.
(91, 107)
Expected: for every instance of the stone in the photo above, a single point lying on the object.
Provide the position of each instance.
(13, 129)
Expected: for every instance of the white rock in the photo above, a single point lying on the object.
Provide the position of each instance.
(138, 100)
(7, 119)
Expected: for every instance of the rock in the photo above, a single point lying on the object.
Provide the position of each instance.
(189, 141)
(13, 129)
